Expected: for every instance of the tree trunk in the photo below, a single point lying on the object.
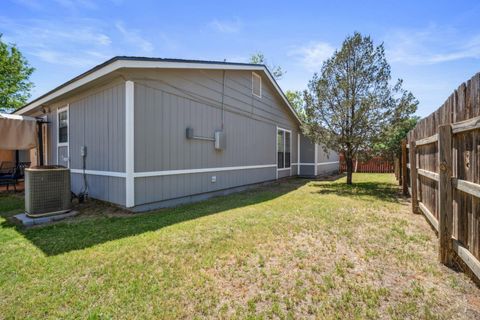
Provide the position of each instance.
(349, 162)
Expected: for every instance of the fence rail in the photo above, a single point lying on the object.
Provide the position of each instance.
(443, 167)
(375, 165)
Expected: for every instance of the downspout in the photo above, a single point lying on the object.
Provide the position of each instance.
(40, 143)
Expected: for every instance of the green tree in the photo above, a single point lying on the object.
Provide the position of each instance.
(351, 102)
(390, 145)
(276, 71)
(296, 101)
(14, 77)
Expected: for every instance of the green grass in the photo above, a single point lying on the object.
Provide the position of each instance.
(291, 250)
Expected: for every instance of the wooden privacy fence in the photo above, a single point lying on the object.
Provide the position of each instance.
(374, 165)
(442, 174)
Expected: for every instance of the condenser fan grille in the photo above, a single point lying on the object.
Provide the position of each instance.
(47, 190)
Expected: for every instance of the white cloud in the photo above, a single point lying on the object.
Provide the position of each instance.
(77, 43)
(81, 60)
(312, 55)
(431, 45)
(134, 38)
(225, 26)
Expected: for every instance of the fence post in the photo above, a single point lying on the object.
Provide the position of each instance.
(404, 167)
(445, 194)
(413, 175)
(399, 172)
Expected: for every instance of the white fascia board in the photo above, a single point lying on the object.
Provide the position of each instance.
(76, 84)
(119, 64)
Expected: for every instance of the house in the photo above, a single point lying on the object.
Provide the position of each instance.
(149, 132)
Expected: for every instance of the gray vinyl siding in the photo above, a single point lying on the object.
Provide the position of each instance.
(307, 150)
(327, 169)
(166, 102)
(283, 174)
(97, 121)
(110, 189)
(326, 157)
(307, 155)
(154, 189)
(169, 101)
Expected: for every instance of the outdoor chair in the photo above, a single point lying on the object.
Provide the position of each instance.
(6, 167)
(11, 175)
(10, 179)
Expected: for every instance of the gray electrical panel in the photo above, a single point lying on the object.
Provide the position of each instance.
(220, 140)
(189, 133)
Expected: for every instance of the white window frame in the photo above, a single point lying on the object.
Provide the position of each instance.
(284, 149)
(63, 144)
(254, 74)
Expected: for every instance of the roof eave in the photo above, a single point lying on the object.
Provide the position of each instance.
(149, 63)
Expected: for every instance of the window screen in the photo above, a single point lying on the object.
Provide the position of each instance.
(287, 149)
(256, 85)
(63, 127)
(280, 149)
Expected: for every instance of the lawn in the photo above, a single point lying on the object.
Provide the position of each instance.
(296, 249)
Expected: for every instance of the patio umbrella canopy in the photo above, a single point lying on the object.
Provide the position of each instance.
(17, 132)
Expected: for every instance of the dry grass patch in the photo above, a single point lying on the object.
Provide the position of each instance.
(299, 249)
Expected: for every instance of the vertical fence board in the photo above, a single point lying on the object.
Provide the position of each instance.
(413, 177)
(457, 212)
(445, 194)
(404, 167)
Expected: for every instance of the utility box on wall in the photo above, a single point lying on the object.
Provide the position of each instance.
(189, 133)
(220, 140)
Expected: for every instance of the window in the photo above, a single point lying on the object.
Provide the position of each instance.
(63, 126)
(283, 149)
(280, 149)
(256, 85)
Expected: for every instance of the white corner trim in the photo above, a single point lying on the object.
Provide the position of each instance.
(100, 173)
(201, 170)
(298, 154)
(129, 144)
(316, 159)
(276, 152)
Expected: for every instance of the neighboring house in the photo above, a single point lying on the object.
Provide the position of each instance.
(158, 132)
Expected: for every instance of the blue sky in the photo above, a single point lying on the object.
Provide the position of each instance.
(432, 45)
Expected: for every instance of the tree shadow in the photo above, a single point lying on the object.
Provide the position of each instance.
(379, 190)
(80, 233)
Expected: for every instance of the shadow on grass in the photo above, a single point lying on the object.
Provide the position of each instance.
(80, 233)
(378, 190)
